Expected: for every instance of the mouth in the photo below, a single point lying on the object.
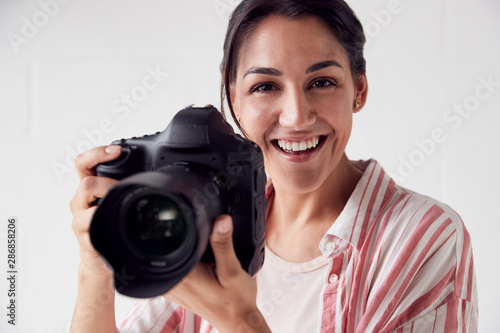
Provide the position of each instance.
(299, 147)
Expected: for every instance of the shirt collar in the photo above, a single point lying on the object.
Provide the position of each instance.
(351, 227)
(361, 210)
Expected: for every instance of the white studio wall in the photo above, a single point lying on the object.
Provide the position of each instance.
(77, 74)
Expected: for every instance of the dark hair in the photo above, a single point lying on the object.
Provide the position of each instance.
(335, 14)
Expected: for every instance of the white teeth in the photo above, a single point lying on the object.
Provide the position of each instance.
(298, 145)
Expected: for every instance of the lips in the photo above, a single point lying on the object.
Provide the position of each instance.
(299, 147)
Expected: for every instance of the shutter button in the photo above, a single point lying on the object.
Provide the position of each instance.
(333, 278)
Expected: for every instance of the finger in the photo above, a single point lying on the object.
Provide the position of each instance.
(221, 240)
(81, 223)
(90, 189)
(86, 162)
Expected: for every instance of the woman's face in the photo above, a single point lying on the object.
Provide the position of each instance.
(294, 96)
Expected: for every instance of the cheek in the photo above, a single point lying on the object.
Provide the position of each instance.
(344, 119)
(343, 126)
(340, 116)
(255, 120)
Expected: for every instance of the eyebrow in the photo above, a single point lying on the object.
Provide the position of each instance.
(263, 70)
(275, 72)
(323, 64)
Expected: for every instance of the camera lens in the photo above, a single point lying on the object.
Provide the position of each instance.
(154, 225)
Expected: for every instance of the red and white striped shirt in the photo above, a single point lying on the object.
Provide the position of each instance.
(403, 261)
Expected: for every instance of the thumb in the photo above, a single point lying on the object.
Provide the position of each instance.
(221, 240)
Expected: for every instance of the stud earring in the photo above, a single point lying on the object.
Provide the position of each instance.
(358, 104)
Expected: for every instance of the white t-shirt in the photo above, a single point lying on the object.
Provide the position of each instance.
(288, 294)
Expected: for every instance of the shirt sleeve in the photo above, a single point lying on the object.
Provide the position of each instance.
(149, 314)
(159, 315)
(425, 281)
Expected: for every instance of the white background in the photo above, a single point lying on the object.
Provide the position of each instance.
(64, 69)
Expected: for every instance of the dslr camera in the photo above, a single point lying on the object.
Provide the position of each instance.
(154, 225)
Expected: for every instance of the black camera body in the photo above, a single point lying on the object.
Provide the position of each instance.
(154, 225)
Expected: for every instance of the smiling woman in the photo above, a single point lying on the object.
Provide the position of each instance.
(309, 96)
(347, 249)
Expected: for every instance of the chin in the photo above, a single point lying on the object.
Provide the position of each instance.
(301, 182)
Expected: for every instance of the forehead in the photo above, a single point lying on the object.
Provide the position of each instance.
(281, 42)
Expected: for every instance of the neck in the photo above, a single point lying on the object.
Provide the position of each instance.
(324, 203)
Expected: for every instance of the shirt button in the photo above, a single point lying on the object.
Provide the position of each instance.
(330, 246)
(333, 278)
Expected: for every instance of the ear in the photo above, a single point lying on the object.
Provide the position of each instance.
(361, 93)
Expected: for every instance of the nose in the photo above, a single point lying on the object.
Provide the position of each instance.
(296, 113)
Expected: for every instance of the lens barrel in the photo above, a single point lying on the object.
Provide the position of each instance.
(155, 226)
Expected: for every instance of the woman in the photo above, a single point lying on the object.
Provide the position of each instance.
(347, 249)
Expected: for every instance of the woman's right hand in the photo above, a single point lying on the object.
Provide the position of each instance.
(83, 203)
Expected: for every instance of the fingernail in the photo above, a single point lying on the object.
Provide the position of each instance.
(224, 225)
(112, 149)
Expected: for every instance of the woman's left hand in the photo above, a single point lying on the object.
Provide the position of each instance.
(224, 295)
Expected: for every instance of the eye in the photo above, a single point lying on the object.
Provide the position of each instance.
(323, 83)
(263, 87)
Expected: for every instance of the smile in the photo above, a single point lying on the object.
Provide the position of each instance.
(299, 147)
